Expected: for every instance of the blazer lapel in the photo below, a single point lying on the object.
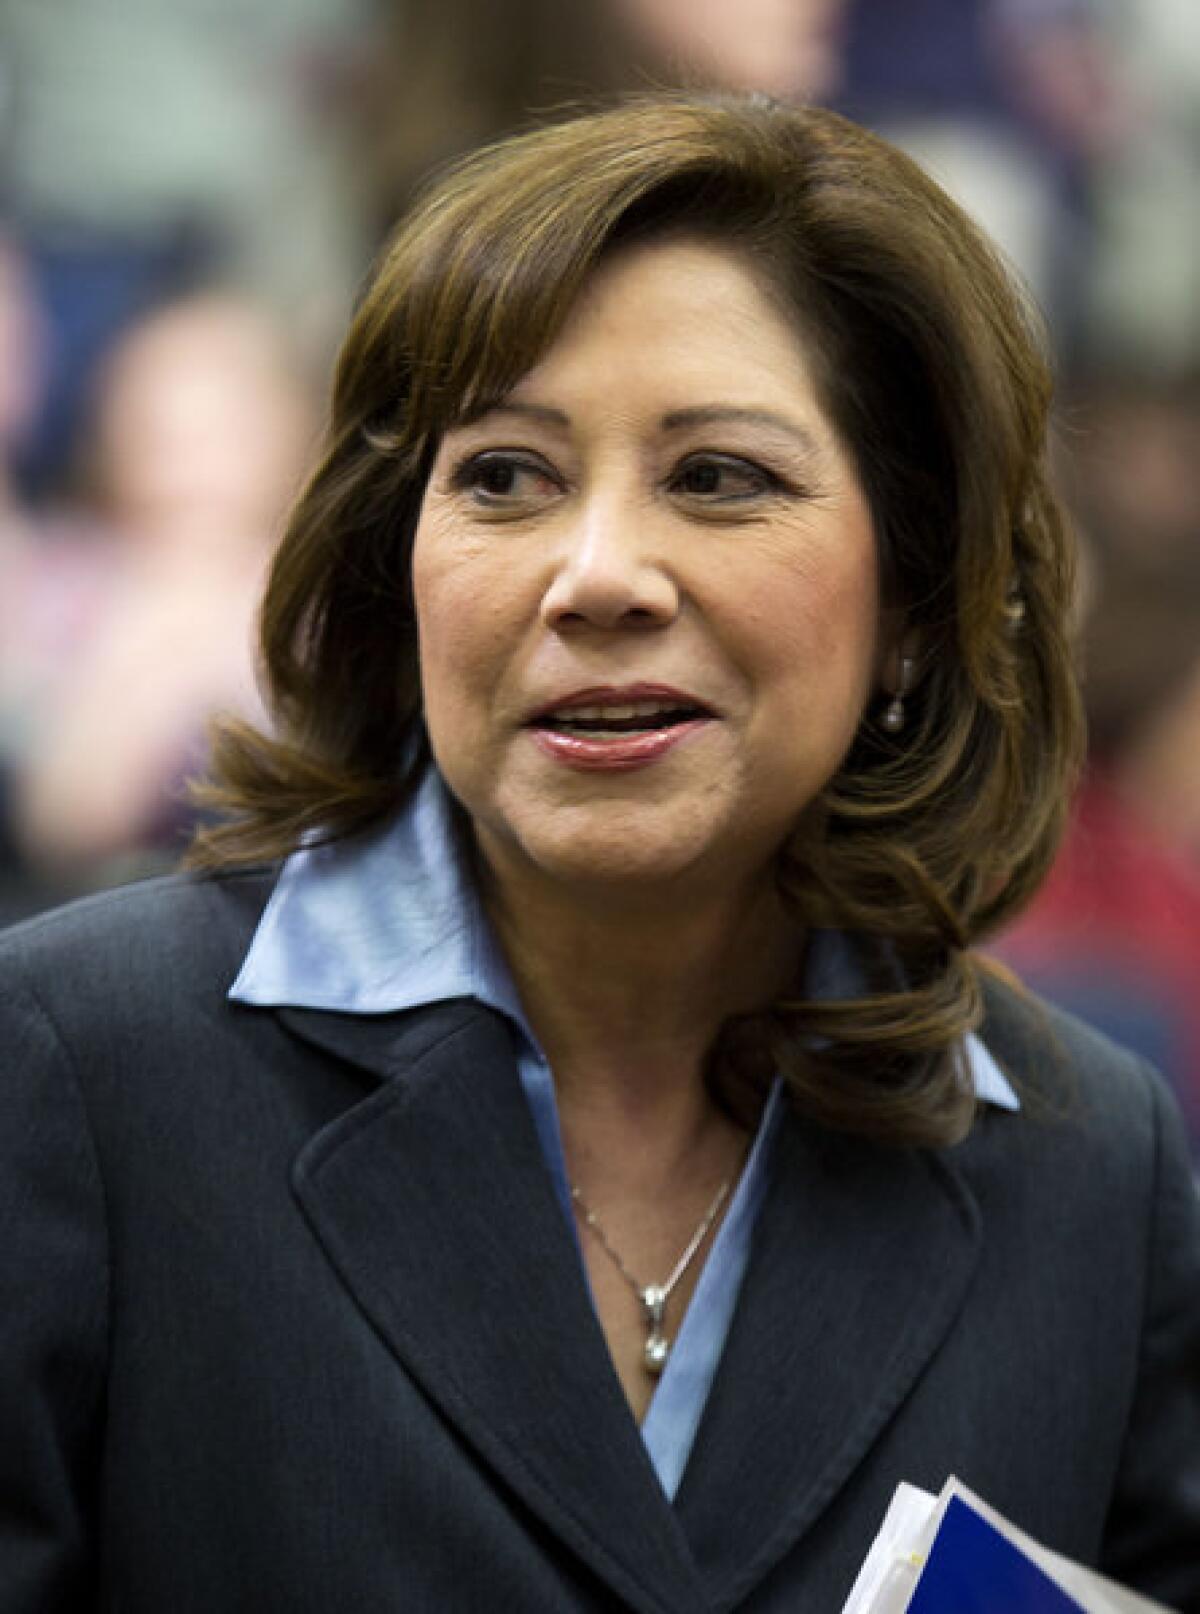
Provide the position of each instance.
(432, 1199)
(862, 1259)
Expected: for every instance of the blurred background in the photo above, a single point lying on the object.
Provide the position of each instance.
(191, 192)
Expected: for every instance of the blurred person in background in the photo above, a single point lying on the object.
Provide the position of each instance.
(1011, 104)
(17, 387)
(1115, 933)
(1145, 292)
(44, 582)
(149, 148)
(199, 438)
(22, 361)
(786, 48)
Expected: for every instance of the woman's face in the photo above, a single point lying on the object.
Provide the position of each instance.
(647, 588)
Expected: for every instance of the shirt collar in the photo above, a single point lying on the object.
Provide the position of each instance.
(380, 922)
(391, 920)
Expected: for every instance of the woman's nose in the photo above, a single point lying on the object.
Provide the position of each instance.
(609, 574)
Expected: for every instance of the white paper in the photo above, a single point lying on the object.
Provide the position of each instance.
(890, 1572)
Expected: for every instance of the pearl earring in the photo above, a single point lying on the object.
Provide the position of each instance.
(894, 715)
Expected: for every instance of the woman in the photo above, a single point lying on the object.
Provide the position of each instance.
(595, 1170)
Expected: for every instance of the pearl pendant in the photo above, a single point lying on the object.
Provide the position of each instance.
(654, 1354)
(657, 1347)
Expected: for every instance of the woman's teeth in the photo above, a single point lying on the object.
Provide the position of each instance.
(622, 718)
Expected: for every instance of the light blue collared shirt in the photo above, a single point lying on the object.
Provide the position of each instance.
(390, 921)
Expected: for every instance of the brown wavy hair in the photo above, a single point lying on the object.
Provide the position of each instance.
(929, 363)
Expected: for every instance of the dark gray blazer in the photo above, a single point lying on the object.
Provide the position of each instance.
(291, 1320)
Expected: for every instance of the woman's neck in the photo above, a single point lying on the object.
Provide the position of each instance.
(626, 991)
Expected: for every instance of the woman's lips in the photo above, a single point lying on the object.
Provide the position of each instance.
(618, 751)
(605, 729)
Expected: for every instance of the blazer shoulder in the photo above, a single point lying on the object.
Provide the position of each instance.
(194, 926)
(1100, 1166)
(1073, 1081)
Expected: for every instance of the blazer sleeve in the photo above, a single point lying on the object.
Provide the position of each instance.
(1152, 1539)
(54, 1278)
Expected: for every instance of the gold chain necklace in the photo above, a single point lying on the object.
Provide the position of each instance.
(653, 1297)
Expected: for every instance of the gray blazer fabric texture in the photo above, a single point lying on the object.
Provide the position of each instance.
(291, 1320)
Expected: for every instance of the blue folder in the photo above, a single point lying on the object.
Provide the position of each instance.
(973, 1569)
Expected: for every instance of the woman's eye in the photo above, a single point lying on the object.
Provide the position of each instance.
(503, 479)
(722, 477)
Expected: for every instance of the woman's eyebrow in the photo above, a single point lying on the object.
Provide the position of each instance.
(674, 420)
(727, 414)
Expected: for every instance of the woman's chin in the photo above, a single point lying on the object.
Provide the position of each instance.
(621, 854)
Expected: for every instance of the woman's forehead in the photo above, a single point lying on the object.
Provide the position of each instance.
(685, 319)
